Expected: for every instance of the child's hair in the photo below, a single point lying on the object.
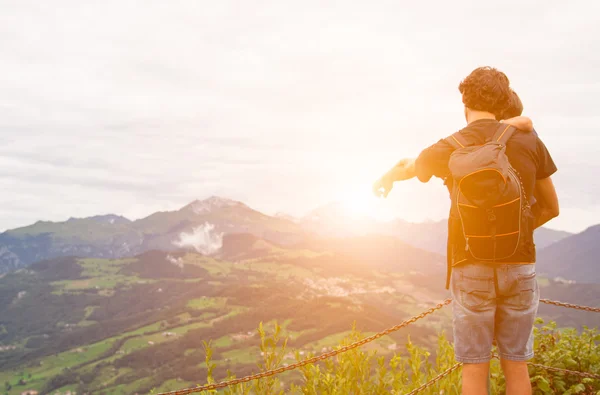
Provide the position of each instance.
(514, 109)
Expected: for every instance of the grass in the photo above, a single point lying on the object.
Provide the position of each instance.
(193, 280)
(174, 384)
(33, 383)
(149, 340)
(215, 268)
(224, 341)
(53, 365)
(79, 229)
(66, 389)
(73, 357)
(105, 275)
(185, 317)
(243, 356)
(129, 388)
(93, 267)
(101, 274)
(205, 303)
(108, 277)
(330, 341)
(283, 271)
(107, 377)
(88, 311)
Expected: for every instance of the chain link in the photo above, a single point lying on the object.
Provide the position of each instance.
(559, 370)
(308, 361)
(567, 371)
(436, 379)
(570, 305)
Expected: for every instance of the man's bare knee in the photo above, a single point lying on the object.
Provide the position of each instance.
(474, 378)
(517, 377)
(507, 364)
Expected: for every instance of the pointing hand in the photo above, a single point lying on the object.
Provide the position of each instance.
(382, 187)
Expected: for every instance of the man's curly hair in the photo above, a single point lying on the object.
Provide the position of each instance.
(486, 89)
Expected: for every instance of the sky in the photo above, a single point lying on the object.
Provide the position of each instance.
(132, 107)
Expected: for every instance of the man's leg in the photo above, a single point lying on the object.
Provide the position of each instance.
(475, 378)
(517, 377)
(473, 310)
(516, 310)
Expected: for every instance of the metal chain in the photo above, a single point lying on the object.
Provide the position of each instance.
(567, 371)
(436, 379)
(571, 306)
(223, 384)
(559, 370)
(548, 368)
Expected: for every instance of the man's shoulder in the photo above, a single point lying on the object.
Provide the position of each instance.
(480, 131)
(524, 137)
(481, 125)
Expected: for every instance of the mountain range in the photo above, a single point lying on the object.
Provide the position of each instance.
(575, 257)
(333, 220)
(202, 224)
(111, 236)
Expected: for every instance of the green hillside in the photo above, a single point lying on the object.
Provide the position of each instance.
(124, 326)
(94, 229)
(109, 323)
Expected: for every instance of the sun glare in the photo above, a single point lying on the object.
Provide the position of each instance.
(363, 204)
(359, 206)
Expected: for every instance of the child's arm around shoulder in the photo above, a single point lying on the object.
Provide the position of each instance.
(521, 122)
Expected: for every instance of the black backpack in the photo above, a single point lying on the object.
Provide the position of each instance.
(488, 197)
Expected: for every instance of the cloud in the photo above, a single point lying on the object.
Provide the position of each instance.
(132, 107)
(203, 239)
(175, 261)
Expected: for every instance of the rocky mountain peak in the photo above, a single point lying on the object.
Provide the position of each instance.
(212, 203)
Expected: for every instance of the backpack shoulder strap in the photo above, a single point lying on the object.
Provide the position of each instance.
(456, 140)
(504, 133)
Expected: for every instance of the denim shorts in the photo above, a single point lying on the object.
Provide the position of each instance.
(494, 301)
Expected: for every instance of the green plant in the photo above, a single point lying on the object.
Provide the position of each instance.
(565, 349)
(365, 372)
(360, 372)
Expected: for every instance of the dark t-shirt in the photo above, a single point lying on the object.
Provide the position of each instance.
(525, 151)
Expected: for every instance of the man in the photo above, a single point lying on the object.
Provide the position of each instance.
(499, 299)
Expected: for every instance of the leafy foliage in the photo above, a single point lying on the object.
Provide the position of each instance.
(565, 349)
(363, 372)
